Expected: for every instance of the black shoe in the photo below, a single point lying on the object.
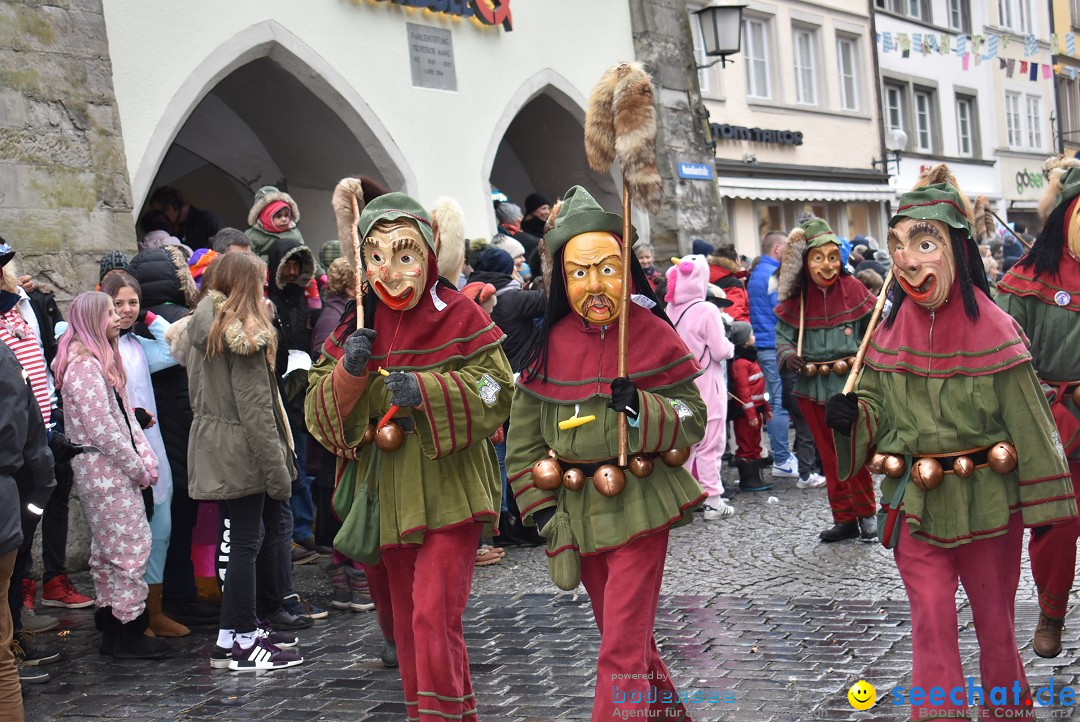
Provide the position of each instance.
(505, 537)
(300, 555)
(192, 612)
(750, 475)
(312, 546)
(32, 675)
(299, 607)
(527, 535)
(29, 655)
(283, 621)
(389, 654)
(102, 617)
(132, 643)
(840, 532)
(868, 528)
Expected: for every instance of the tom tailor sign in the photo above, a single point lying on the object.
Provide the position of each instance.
(486, 12)
(724, 131)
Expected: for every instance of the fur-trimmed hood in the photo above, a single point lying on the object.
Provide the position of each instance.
(725, 263)
(287, 249)
(196, 332)
(1054, 168)
(791, 266)
(267, 195)
(448, 221)
(687, 282)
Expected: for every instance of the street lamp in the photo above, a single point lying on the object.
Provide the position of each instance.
(895, 141)
(721, 32)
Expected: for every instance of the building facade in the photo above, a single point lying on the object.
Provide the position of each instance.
(796, 121)
(1066, 22)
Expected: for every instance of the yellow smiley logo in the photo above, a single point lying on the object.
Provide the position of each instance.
(862, 695)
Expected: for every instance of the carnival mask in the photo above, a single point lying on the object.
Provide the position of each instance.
(823, 263)
(1074, 234)
(594, 276)
(923, 260)
(396, 263)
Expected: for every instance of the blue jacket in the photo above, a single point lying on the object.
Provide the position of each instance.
(761, 288)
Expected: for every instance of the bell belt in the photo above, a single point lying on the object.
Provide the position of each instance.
(589, 468)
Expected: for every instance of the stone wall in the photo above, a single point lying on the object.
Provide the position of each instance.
(692, 208)
(65, 197)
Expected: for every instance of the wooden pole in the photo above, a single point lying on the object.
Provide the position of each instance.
(802, 320)
(856, 366)
(1024, 243)
(358, 263)
(624, 316)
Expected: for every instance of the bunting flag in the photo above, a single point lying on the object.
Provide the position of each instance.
(1070, 43)
(1034, 72)
(961, 44)
(1047, 72)
(992, 47)
(1054, 48)
(1023, 67)
(1010, 67)
(887, 43)
(945, 44)
(964, 63)
(1031, 47)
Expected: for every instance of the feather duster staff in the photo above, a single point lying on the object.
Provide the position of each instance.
(348, 202)
(621, 123)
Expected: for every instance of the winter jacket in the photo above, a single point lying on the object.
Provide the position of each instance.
(329, 319)
(747, 385)
(240, 442)
(290, 299)
(48, 315)
(723, 273)
(515, 313)
(98, 414)
(165, 279)
(261, 239)
(198, 227)
(24, 453)
(761, 290)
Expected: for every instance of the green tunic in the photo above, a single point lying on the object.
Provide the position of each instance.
(820, 344)
(444, 474)
(672, 418)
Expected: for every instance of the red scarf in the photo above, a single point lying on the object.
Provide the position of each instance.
(1054, 289)
(845, 301)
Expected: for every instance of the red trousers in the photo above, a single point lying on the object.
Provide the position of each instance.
(379, 588)
(429, 587)
(632, 681)
(748, 438)
(1053, 558)
(849, 500)
(989, 569)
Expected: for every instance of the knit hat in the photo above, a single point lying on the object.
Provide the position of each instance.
(581, 213)
(393, 206)
(6, 252)
(112, 261)
(156, 239)
(508, 244)
(740, 333)
(494, 260)
(508, 212)
(939, 202)
(330, 252)
(534, 201)
(478, 291)
(701, 248)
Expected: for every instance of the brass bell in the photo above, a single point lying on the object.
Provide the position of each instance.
(675, 457)
(963, 467)
(876, 465)
(927, 474)
(389, 437)
(609, 480)
(894, 466)
(841, 366)
(1002, 457)
(369, 435)
(1076, 395)
(825, 369)
(640, 465)
(810, 371)
(573, 479)
(547, 474)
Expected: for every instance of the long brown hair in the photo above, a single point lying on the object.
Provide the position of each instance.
(240, 278)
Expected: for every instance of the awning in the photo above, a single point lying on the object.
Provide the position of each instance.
(793, 189)
(1023, 205)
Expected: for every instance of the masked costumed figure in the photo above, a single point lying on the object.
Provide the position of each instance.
(606, 526)
(821, 302)
(949, 407)
(1042, 292)
(416, 492)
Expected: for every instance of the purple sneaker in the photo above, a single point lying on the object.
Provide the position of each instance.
(279, 639)
(261, 655)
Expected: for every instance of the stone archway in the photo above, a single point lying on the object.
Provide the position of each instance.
(266, 109)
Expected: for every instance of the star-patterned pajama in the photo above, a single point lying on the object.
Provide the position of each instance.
(108, 487)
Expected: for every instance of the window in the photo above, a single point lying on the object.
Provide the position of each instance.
(965, 126)
(1015, 15)
(845, 62)
(915, 9)
(1074, 7)
(1034, 122)
(924, 130)
(894, 107)
(708, 78)
(756, 50)
(1069, 93)
(1012, 119)
(959, 15)
(805, 74)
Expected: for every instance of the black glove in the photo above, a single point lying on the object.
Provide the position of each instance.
(796, 363)
(842, 412)
(404, 389)
(542, 516)
(358, 351)
(62, 448)
(143, 417)
(624, 395)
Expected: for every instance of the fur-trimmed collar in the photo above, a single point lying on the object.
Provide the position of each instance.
(235, 338)
(725, 262)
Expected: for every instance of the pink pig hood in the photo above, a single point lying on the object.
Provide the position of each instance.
(688, 281)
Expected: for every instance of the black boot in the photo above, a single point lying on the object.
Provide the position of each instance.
(132, 643)
(505, 537)
(868, 528)
(106, 623)
(839, 532)
(527, 535)
(389, 654)
(750, 475)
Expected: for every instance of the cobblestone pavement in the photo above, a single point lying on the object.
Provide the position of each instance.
(753, 607)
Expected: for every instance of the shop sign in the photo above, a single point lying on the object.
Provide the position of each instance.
(725, 131)
(696, 171)
(485, 12)
(431, 57)
(1028, 180)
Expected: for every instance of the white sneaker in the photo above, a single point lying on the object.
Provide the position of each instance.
(716, 507)
(814, 481)
(789, 471)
